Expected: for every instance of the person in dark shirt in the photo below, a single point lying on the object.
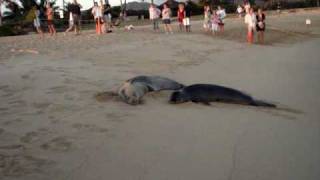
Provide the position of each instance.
(107, 16)
(186, 20)
(74, 18)
(260, 25)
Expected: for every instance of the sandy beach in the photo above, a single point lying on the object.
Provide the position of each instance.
(53, 128)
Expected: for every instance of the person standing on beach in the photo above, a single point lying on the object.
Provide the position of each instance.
(166, 18)
(181, 15)
(50, 14)
(261, 25)
(97, 14)
(222, 14)
(215, 20)
(37, 22)
(75, 14)
(187, 19)
(154, 14)
(247, 7)
(207, 18)
(239, 11)
(250, 20)
(107, 18)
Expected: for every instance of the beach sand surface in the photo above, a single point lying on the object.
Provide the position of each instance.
(53, 128)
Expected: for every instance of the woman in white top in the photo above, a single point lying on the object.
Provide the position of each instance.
(221, 14)
(250, 20)
(239, 11)
(154, 14)
(97, 14)
(166, 18)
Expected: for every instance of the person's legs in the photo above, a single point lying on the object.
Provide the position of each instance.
(170, 28)
(156, 21)
(262, 37)
(154, 24)
(39, 30)
(69, 29)
(250, 35)
(188, 25)
(53, 29)
(221, 28)
(165, 28)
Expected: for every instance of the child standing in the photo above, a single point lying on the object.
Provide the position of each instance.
(207, 18)
(181, 15)
(215, 20)
(166, 18)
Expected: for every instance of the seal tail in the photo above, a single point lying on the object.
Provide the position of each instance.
(263, 104)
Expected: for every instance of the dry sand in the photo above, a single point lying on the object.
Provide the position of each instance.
(52, 127)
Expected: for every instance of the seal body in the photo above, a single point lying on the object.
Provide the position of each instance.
(133, 90)
(206, 93)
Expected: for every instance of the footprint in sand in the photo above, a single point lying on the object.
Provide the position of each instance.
(25, 76)
(4, 87)
(60, 89)
(41, 105)
(16, 147)
(19, 165)
(10, 122)
(60, 144)
(34, 136)
(30, 137)
(89, 128)
(116, 117)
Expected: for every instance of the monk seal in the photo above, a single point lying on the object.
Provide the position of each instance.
(206, 93)
(133, 90)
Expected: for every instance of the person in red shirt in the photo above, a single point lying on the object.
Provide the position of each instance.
(181, 15)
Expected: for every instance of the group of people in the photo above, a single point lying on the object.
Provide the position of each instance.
(213, 19)
(254, 22)
(183, 13)
(50, 15)
(102, 16)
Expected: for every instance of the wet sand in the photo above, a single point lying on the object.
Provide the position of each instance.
(52, 126)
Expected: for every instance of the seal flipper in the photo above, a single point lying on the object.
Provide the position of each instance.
(262, 103)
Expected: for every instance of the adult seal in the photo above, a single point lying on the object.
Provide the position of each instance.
(133, 90)
(206, 93)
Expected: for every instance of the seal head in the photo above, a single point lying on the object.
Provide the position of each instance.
(178, 97)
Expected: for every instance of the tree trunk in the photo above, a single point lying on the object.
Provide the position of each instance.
(0, 13)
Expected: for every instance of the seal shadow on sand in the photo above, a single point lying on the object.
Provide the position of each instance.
(280, 111)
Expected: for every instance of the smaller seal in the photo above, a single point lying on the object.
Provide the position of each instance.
(206, 93)
(133, 90)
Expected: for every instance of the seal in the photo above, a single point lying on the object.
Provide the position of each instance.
(206, 93)
(133, 90)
